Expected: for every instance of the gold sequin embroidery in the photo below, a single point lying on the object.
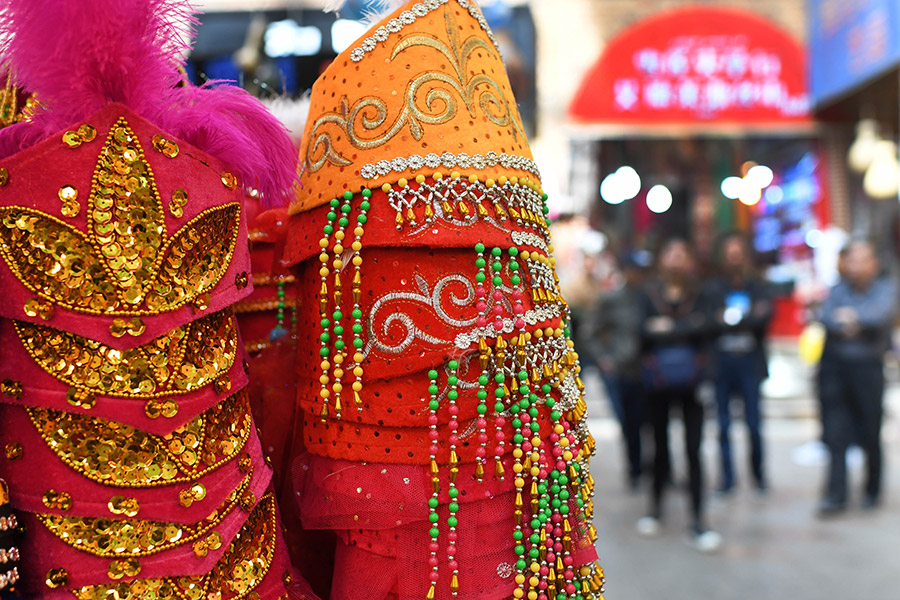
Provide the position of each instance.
(116, 454)
(185, 359)
(240, 570)
(125, 263)
(130, 537)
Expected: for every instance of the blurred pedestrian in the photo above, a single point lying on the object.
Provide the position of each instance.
(614, 337)
(741, 311)
(858, 316)
(673, 340)
(582, 284)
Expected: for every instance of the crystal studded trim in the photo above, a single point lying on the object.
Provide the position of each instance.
(541, 314)
(463, 202)
(448, 160)
(408, 17)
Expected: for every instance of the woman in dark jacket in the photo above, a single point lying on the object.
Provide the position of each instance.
(674, 332)
(740, 312)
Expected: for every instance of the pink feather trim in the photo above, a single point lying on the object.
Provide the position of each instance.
(77, 56)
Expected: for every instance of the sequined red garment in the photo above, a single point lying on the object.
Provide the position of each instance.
(129, 443)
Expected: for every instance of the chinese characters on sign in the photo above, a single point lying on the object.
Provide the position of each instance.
(697, 64)
(707, 75)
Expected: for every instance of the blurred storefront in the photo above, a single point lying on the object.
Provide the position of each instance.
(280, 47)
(694, 122)
(854, 50)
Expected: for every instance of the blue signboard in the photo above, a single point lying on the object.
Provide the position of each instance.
(850, 42)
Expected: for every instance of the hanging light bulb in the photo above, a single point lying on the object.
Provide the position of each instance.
(862, 150)
(882, 178)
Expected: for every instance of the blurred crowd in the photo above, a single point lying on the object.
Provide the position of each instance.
(657, 328)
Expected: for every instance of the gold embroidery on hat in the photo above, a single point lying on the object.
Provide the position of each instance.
(429, 99)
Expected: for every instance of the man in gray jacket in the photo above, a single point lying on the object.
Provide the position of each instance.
(614, 339)
(858, 316)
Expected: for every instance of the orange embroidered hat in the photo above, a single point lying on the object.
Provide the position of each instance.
(397, 104)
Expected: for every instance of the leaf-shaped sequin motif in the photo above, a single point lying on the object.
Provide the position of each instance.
(184, 359)
(125, 263)
(196, 258)
(126, 214)
(55, 260)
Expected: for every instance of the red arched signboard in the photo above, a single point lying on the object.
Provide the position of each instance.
(693, 65)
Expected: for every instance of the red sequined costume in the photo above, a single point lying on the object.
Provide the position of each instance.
(438, 390)
(129, 445)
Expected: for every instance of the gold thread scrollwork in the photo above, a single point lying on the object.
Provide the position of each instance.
(432, 105)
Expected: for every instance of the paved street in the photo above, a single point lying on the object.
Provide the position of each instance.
(775, 549)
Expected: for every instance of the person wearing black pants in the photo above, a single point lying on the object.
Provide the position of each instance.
(614, 338)
(675, 326)
(858, 316)
(741, 311)
(660, 405)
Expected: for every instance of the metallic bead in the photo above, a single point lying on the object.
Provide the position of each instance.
(121, 505)
(229, 180)
(128, 567)
(57, 578)
(201, 549)
(87, 133)
(71, 139)
(165, 146)
(55, 500)
(13, 450)
(81, 398)
(164, 408)
(36, 307)
(68, 193)
(222, 384)
(12, 388)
